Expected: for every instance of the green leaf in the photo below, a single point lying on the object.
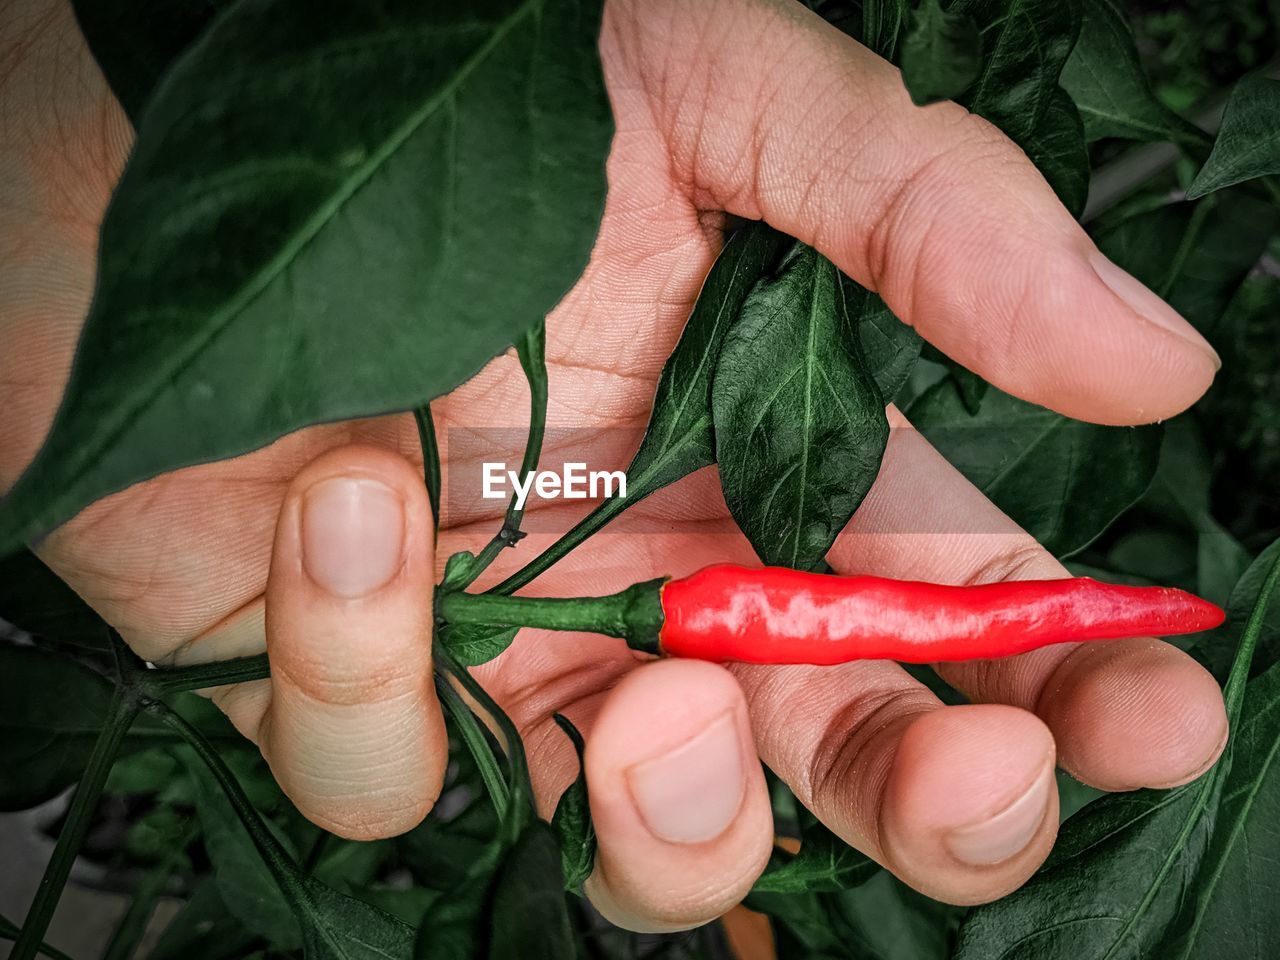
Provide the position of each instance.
(136, 42)
(245, 883)
(1135, 874)
(204, 928)
(824, 863)
(800, 425)
(876, 24)
(679, 439)
(453, 928)
(1193, 255)
(572, 819)
(889, 346)
(313, 206)
(333, 926)
(51, 712)
(1238, 877)
(1056, 146)
(1061, 480)
(1106, 81)
(941, 55)
(530, 919)
(1214, 648)
(1025, 45)
(1248, 145)
(35, 599)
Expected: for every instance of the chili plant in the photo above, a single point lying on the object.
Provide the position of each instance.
(180, 362)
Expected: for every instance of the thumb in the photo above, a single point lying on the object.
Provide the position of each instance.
(786, 119)
(353, 732)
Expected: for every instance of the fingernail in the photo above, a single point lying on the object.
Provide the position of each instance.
(352, 536)
(1146, 304)
(692, 793)
(1008, 832)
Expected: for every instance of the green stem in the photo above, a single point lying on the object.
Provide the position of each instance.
(79, 815)
(275, 856)
(520, 805)
(532, 353)
(634, 614)
(132, 926)
(574, 537)
(430, 457)
(9, 931)
(473, 736)
(219, 673)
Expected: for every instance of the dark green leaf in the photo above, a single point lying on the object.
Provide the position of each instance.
(890, 347)
(333, 926)
(824, 863)
(35, 599)
(338, 927)
(882, 23)
(800, 425)
(203, 928)
(1214, 649)
(1109, 88)
(941, 55)
(51, 711)
(1056, 146)
(1135, 874)
(136, 42)
(530, 918)
(1238, 876)
(1248, 144)
(1025, 44)
(312, 204)
(679, 439)
(1193, 255)
(572, 819)
(896, 922)
(245, 883)
(1062, 480)
(474, 644)
(454, 928)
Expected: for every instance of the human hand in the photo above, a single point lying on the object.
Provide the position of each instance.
(765, 112)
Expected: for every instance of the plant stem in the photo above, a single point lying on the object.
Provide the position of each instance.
(277, 859)
(219, 673)
(430, 458)
(532, 352)
(634, 614)
(520, 804)
(473, 736)
(79, 815)
(574, 537)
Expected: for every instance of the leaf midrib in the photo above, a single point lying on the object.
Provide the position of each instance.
(292, 248)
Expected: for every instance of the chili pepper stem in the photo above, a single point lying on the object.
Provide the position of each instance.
(633, 614)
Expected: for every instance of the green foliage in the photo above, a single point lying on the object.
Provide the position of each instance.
(572, 819)
(266, 206)
(799, 421)
(1105, 79)
(236, 300)
(1062, 480)
(1117, 883)
(941, 55)
(1247, 145)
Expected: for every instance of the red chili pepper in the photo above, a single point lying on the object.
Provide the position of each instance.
(777, 615)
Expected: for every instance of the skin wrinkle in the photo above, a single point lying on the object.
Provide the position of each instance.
(205, 566)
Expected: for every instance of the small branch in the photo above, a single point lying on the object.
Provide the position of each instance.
(219, 673)
(79, 816)
(430, 458)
